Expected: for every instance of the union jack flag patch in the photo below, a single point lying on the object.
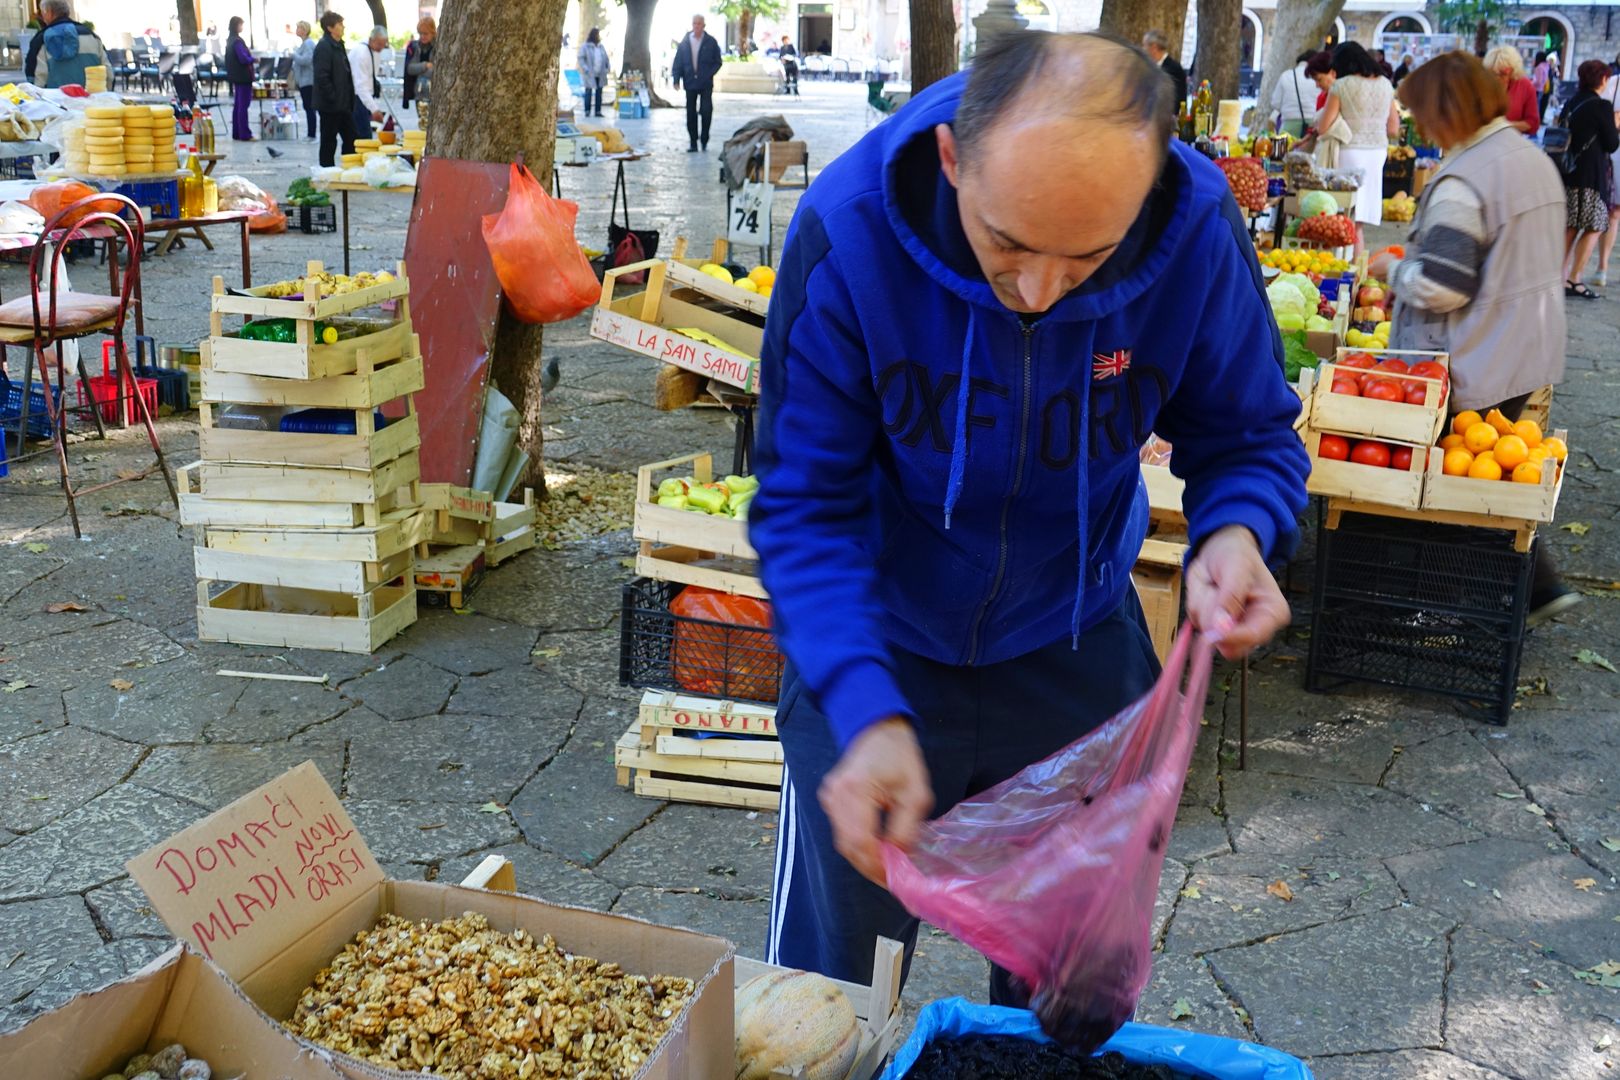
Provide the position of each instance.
(1107, 365)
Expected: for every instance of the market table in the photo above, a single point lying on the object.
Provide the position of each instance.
(621, 191)
(343, 191)
(176, 228)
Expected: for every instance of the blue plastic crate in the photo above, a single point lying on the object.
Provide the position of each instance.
(39, 419)
(632, 109)
(162, 197)
(326, 422)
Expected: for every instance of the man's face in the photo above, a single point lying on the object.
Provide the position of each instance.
(336, 31)
(377, 43)
(1037, 239)
(697, 27)
(1153, 51)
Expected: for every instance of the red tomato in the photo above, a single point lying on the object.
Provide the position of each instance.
(1370, 453)
(1401, 458)
(1409, 385)
(1333, 447)
(1347, 386)
(1394, 367)
(1416, 395)
(1359, 360)
(1383, 390)
(1428, 369)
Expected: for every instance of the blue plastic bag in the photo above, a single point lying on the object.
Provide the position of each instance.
(1206, 1056)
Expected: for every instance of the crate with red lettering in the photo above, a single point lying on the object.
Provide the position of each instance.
(686, 318)
(704, 750)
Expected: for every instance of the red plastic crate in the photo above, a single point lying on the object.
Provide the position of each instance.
(109, 397)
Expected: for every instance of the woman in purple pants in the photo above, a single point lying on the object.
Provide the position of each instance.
(239, 73)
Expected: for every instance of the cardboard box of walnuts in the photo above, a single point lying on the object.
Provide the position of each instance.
(276, 884)
(178, 998)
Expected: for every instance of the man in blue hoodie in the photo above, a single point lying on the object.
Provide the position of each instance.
(983, 310)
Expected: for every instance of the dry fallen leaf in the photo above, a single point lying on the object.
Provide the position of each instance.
(37, 548)
(1585, 884)
(1280, 890)
(15, 685)
(63, 605)
(491, 808)
(1191, 892)
(121, 684)
(1587, 656)
(1181, 1009)
(1579, 528)
(1612, 843)
(130, 474)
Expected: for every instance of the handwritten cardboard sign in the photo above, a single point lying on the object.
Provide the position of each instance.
(246, 881)
(672, 348)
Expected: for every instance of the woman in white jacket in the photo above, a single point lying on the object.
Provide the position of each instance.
(593, 71)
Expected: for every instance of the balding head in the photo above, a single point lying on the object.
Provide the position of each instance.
(1072, 100)
(1156, 44)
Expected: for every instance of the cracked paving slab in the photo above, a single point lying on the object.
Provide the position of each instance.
(516, 691)
(172, 702)
(740, 921)
(1459, 777)
(89, 845)
(541, 874)
(1315, 819)
(46, 776)
(1404, 1064)
(268, 711)
(1226, 901)
(453, 758)
(402, 689)
(217, 774)
(123, 909)
(1186, 980)
(91, 971)
(39, 938)
(572, 806)
(727, 852)
(468, 644)
(426, 832)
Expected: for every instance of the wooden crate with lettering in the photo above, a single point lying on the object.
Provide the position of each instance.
(447, 576)
(658, 321)
(461, 516)
(695, 749)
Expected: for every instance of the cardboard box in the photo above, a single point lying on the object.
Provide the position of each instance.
(275, 884)
(178, 998)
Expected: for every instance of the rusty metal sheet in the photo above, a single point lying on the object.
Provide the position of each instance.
(455, 301)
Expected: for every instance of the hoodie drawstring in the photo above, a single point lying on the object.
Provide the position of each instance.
(953, 488)
(1082, 502)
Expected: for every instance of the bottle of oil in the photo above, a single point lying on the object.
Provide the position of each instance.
(210, 196)
(194, 185)
(1204, 110)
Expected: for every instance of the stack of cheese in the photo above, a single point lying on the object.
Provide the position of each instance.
(416, 143)
(364, 147)
(139, 148)
(165, 159)
(104, 140)
(352, 161)
(75, 155)
(95, 80)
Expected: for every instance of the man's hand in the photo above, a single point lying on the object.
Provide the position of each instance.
(1380, 264)
(879, 790)
(376, 114)
(1231, 596)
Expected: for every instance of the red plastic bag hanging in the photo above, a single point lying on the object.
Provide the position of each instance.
(1052, 874)
(542, 270)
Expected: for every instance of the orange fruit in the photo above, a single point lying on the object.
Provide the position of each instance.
(1529, 431)
(1527, 473)
(1456, 462)
(1465, 420)
(1485, 468)
(1510, 451)
(1451, 442)
(1480, 437)
(1502, 424)
(1555, 446)
(1538, 454)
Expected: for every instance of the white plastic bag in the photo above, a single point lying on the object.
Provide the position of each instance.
(20, 219)
(376, 171)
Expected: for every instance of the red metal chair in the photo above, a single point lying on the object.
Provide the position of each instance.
(67, 315)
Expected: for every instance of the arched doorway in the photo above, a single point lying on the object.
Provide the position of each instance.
(1403, 24)
(1039, 16)
(1556, 34)
(1334, 35)
(1254, 40)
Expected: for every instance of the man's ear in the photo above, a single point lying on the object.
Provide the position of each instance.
(948, 161)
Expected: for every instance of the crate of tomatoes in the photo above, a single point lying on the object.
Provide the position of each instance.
(1366, 470)
(1391, 396)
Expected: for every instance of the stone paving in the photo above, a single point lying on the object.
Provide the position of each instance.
(1452, 883)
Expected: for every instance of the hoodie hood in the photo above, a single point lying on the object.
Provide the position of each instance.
(921, 208)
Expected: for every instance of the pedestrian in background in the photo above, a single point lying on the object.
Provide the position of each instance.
(303, 72)
(334, 91)
(1320, 70)
(419, 64)
(239, 73)
(69, 47)
(1366, 100)
(594, 68)
(1588, 184)
(1402, 72)
(1611, 94)
(1157, 45)
(1541, 80)
(367, 86)
(1289, 96)
(1523, 106)
(697, 62)
(1480, 276)
(790, 66)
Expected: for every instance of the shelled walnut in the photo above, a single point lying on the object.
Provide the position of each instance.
(459, 999)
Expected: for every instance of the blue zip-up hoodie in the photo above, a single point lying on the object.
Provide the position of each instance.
(918, 442)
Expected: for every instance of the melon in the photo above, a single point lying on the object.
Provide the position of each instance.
(795, 1020)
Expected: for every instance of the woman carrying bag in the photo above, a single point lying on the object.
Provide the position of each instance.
(1589, 118)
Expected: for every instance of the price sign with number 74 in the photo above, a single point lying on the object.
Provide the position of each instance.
(750, 221)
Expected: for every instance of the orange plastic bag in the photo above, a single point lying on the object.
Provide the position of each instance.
(49, 199)
(273, 220)
(541, 268)
(730, 653)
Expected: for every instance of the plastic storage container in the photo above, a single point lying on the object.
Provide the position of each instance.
(663, 650)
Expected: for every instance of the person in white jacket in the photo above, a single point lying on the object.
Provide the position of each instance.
(594, 68)
(363, 67)
(1293, 98)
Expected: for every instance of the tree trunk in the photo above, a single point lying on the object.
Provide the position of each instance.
(745, 31)
(1220, 46)
(1130, 19)
(638, 45)
(379, 17)
(1299, 25)
(590, 15)
(470, 123)
(186, 10)
(1482, 39)
(933, 42)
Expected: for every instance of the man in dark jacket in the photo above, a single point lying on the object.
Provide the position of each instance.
(958, 374)
(69, 48)
(334, 90)
(1157, 46)
(697, 61)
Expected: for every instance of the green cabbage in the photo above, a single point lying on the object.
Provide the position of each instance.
(1307, 288)
(1317, 202)
(1286, 299)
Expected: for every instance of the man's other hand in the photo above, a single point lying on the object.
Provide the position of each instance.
(1231, 595)
(878, 791)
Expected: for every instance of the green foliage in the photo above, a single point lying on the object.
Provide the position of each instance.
(1463, 16)
(770, 9)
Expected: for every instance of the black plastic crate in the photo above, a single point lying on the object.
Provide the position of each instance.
(315, 219)
(1399, 176)
(1436, 608)
(663, 650)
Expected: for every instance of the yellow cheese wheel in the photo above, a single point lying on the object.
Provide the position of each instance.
(137, 114)
(103, 112)
(107, 170)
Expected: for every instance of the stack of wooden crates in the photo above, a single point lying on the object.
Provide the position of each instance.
(311, 532)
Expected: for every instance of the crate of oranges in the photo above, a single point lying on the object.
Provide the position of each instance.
(1392, 396)
(1492, 465)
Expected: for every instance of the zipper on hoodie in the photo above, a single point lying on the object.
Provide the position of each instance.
(1028, 331)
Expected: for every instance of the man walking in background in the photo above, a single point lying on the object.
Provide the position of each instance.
(334, 91)
(367, 87)
(1157, 46)
(69, 48)
(697, 61)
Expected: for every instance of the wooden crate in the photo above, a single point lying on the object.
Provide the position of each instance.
(306, 359)
(199, 509)
(449, 575)
(366, 450)
(326, 575)
(1386, 421)
(374, 381)
(512, 530)
(1366, 483)
(661, 757)
(1157, 577)
(283, 616)
(398, 531)
(675, 543)
(877, 1006)
(294, 483)
(1501, 499)
(1164, 491)
(313, 306)
(1539, 408)
(1325, 343)
(649, 322)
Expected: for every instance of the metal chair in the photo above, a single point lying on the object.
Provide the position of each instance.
(120, 65)
(67, 315)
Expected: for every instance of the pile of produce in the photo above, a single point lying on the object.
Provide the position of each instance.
(330, 284)
(170, 1063)
(1247, 177)
(581, 504)
(461, 1000)
(795, 1023)
(1380, 455)
(1400, 207)
(999, 1057)
(1364, 375)
(285, 330)
(1369, 317)
(730, 497)
(1299, 168)
(302, 193)
(761, 279)
(1297, 304)
(1492, 447)
(1331, 230)
(1312, 262)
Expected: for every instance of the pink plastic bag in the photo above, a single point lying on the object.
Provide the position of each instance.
(1052, 874)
